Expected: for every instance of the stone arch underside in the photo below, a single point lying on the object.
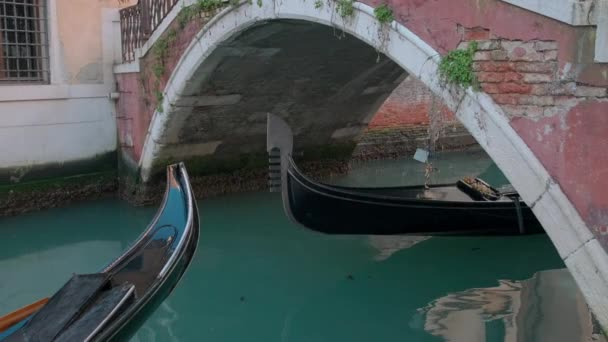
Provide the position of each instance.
(325, 83)
(202, 70)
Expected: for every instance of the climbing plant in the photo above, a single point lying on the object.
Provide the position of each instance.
(185, 15)
(160, 49)
(208, 5)
(318, 4)
(345, 8)
(383, 13)
(456, 67)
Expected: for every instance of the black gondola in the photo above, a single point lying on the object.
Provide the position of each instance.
(468, 207)
(113, 303)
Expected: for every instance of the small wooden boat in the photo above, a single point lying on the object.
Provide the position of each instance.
(469, 207)
(113, 303)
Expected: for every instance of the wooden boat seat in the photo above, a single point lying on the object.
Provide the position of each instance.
(62, 309)
(69, 312)
(107, 305)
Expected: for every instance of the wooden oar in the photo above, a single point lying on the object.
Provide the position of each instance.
(18, 315)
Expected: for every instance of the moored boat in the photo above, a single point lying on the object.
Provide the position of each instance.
(113, 303)
(470, 206)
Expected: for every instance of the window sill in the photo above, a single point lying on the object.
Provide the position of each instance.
(21, 92)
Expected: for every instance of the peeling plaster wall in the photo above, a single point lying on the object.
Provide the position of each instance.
(572, 146)
(79, 26)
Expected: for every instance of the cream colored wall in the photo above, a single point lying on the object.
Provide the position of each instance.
(72, 118)
(79, 26)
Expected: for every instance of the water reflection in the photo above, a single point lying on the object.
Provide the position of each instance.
(448, 167)
(546, 307)
(387, 245)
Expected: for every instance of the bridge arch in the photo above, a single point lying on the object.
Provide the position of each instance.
(484, 119)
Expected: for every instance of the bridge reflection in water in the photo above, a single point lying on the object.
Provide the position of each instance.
(546, 307)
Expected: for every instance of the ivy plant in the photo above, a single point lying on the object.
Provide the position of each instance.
(456, 67)
(345, 8)
(383, 13)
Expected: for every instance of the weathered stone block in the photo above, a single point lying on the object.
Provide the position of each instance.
(585, 91)
(544, 46)
(490, 88)
(515, 88)
(533, 112)
(541, 89)
(499, 55)
(564, 89)
(462, 46)
(493, 66)
(507, 99)
(476, 33)
(536, 67)
(512, 77)
(490, 77)
(537, 78)
(482, 56)
(520, 51)
(488, 45)
(550, 56)
(535, 100)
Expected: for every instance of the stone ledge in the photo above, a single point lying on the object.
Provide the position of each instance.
(572, 12)
(575, 13)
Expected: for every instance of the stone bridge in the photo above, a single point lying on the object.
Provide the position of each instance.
(199, 86)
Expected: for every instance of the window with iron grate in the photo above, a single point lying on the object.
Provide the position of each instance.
(24, 56)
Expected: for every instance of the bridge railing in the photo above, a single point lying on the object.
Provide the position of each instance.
(137, 23)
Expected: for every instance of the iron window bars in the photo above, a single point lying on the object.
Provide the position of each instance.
(24, 56)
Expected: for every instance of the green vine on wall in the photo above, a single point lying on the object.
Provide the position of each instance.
(318, 4)
(345, 8)
(457, 67)
(384, 14)
(160, 50)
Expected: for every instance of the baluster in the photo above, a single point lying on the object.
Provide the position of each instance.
(139, 21)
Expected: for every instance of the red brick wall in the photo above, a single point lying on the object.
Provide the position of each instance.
(409, 104)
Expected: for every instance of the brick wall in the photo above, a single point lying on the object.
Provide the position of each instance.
(524, 78)
(409, 104)
(402, 125)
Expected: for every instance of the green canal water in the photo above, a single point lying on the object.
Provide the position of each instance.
(258, 277)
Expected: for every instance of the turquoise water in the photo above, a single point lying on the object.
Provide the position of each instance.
(447, 168)
(258, 277)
